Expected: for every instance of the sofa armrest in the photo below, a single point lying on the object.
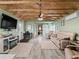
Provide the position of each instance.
(75, 57)
(71, 46)
(63, 40)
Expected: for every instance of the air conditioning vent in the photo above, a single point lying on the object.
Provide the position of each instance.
(71, 16)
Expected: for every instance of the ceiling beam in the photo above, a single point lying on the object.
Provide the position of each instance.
(32, 11)
(42, 9)
(28, 15)
(62, 9)
(56, 13)
(61, 0)
(25, 2)
(48, 14)
(17, 2)
(54, 16)
(38, 16)
(23, 10)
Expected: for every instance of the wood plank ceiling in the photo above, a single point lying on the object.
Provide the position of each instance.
(30, 9)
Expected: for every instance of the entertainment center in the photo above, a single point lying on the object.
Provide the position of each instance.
(7, 43)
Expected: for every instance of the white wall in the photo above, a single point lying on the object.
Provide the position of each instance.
(20, 29)
(71, 24)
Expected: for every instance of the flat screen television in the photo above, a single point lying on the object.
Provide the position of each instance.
(8, 22)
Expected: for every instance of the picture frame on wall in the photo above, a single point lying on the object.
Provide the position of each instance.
(62, 22)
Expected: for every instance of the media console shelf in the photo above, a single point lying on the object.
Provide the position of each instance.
(6, 43)
(7, 56)
(13, 42)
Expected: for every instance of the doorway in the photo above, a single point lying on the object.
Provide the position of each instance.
(40, 29)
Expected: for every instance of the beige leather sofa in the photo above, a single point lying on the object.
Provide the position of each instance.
(58, 38)
(71, 54)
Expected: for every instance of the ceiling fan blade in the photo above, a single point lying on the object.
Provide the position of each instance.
(41, 15)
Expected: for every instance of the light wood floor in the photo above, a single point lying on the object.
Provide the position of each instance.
(42, 49)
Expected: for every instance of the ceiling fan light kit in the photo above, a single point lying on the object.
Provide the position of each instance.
(40, 18)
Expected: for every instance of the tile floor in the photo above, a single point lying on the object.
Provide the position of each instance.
(37, 48)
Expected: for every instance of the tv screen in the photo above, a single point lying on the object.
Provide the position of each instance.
(8, 22)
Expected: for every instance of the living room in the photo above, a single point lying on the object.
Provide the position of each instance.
(40, 33)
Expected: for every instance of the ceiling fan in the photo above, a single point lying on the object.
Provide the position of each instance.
(40, 14)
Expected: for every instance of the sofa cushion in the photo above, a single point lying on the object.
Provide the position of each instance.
(74, 48)
(67, 38)
(75, 52)
(66, 35)
(54, 35)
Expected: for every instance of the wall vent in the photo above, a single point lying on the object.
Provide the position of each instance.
(71, 16)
